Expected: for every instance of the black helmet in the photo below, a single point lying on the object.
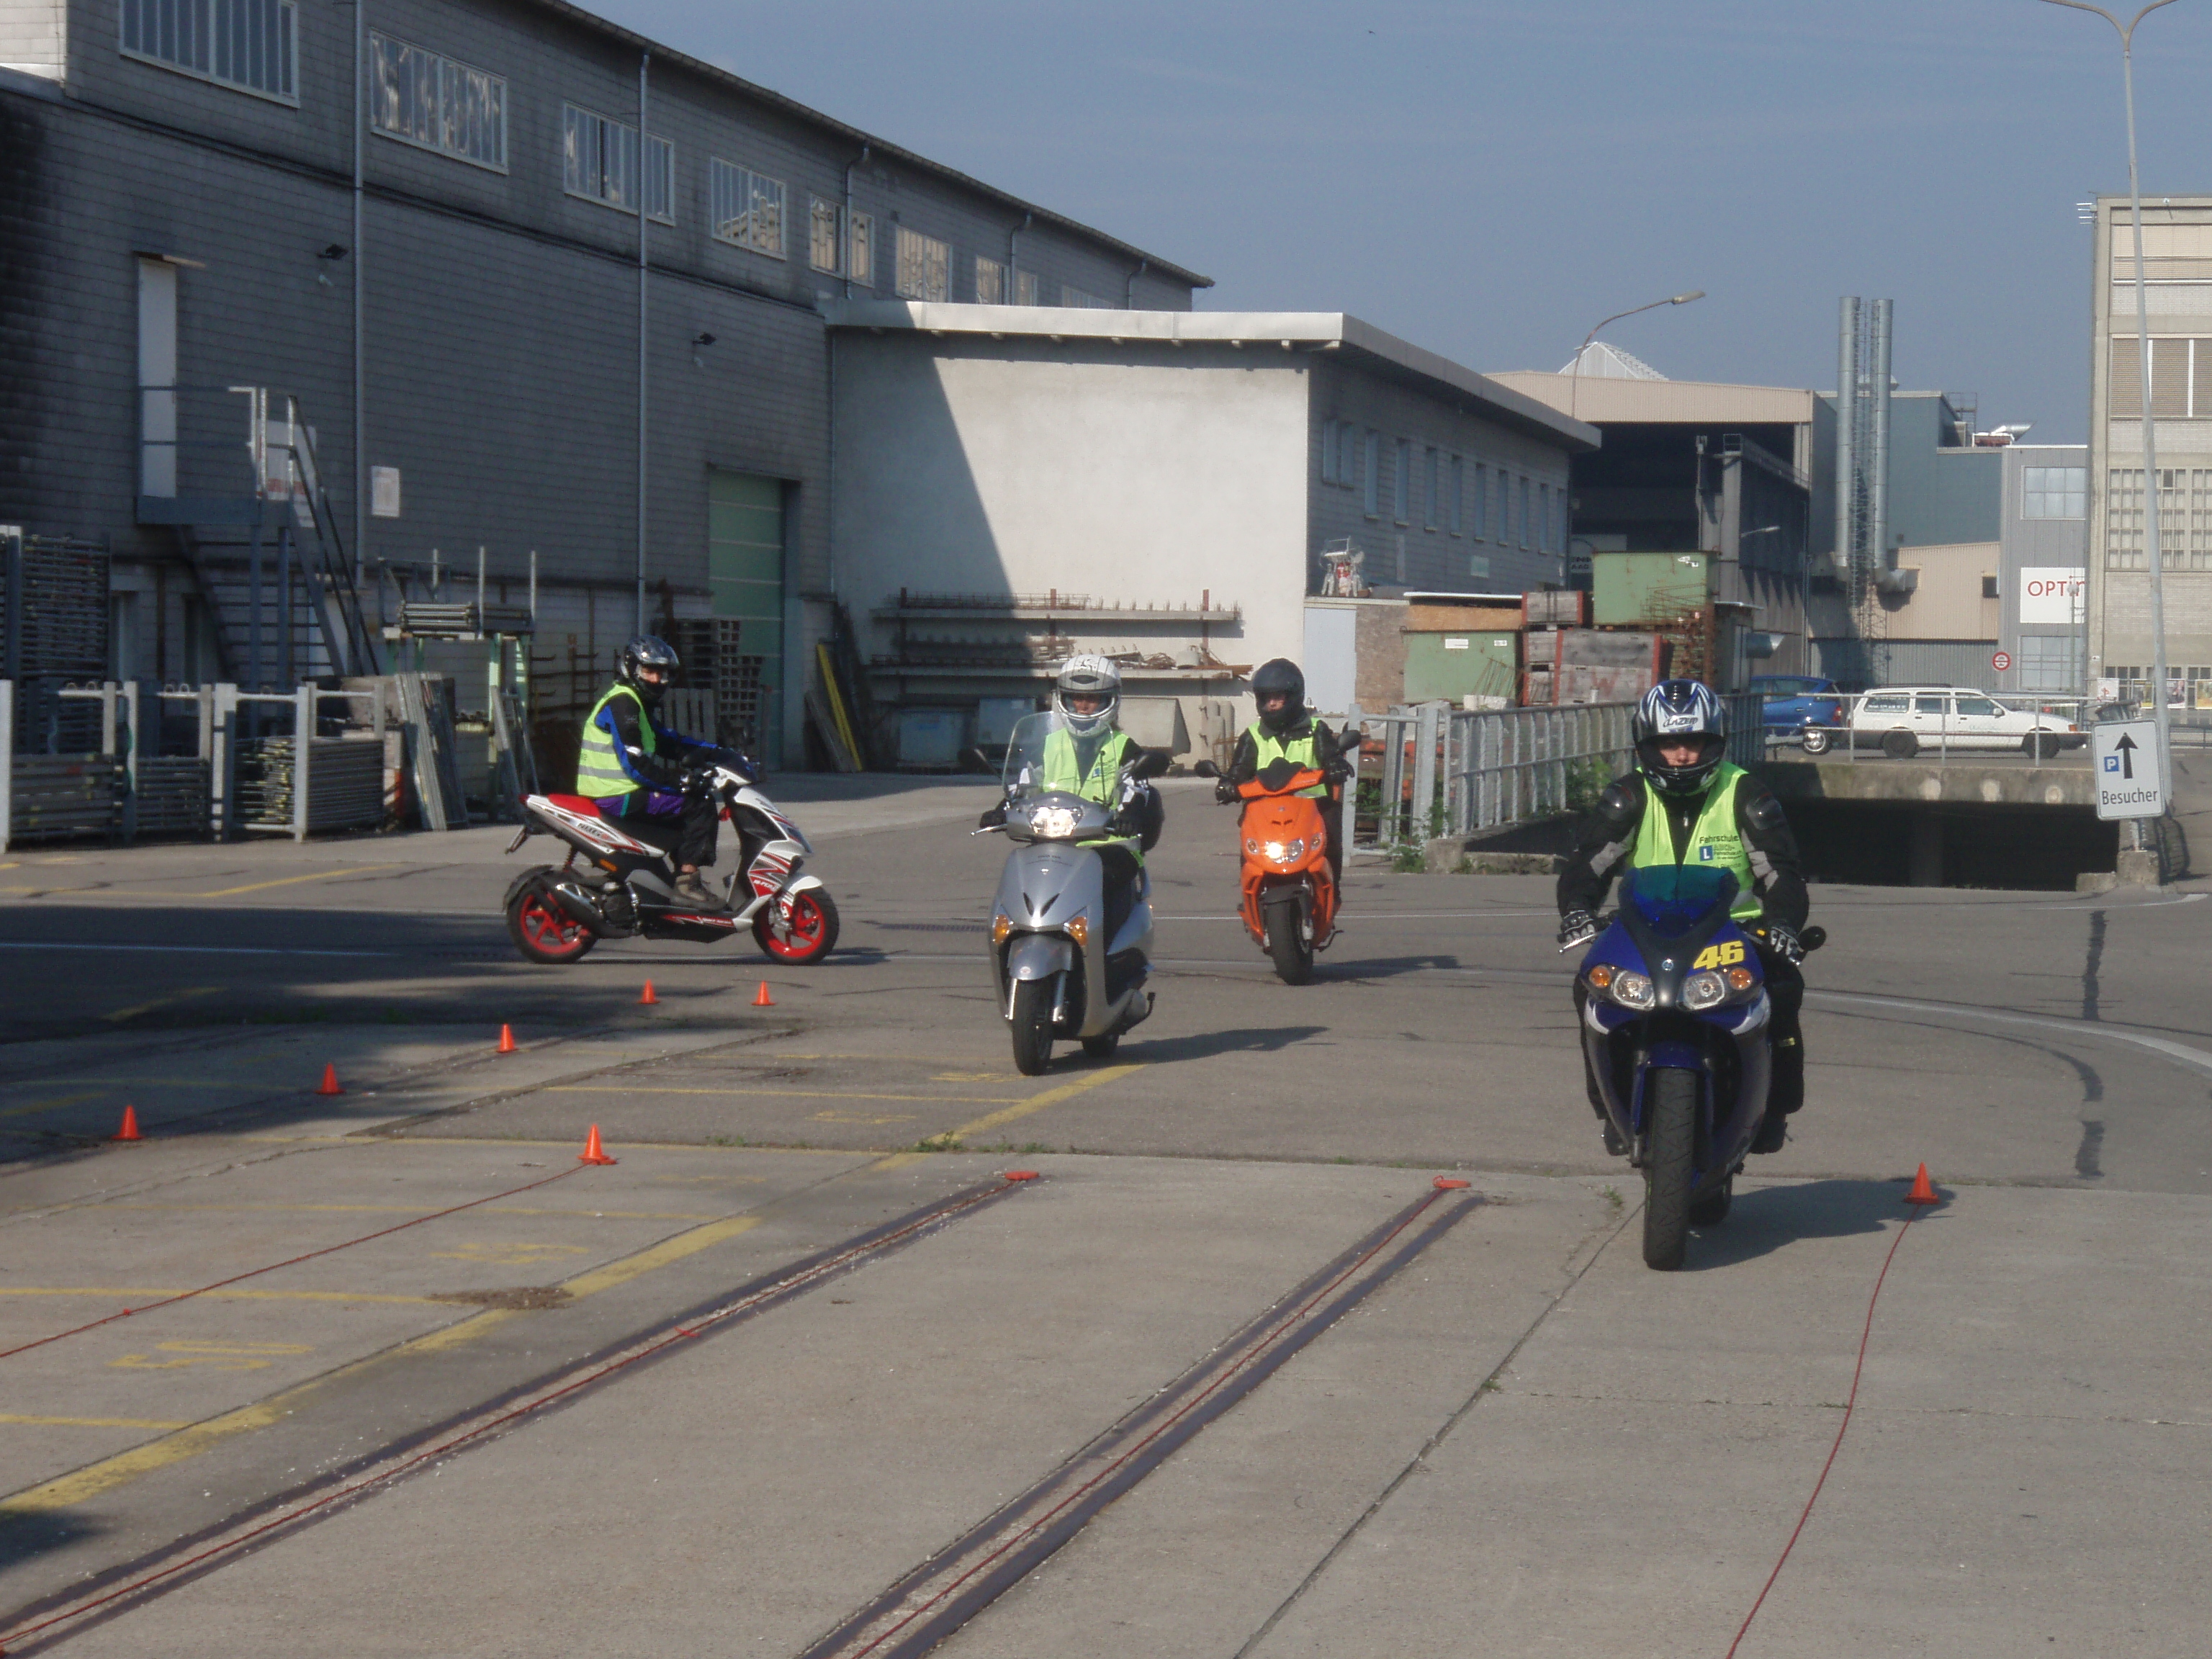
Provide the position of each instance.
(1679, 711)
(648, 651)
(1280, 678)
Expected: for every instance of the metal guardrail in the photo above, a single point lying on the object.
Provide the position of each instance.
(1453, 772)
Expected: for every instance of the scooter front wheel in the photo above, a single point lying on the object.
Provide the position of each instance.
(1287, 944)
(1032, 1026)
(813, 929)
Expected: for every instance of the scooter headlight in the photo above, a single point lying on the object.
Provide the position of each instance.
(1053, 823)
(1631, 990)
(1704, 990)
(1287, 851)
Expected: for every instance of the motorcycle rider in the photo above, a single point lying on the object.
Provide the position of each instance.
(1084, 756)
(1286, 730)
(641, 772)
(1686, 803)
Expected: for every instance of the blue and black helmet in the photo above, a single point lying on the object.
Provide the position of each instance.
(1674, 712)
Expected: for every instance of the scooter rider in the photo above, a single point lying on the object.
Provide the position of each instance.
(1286, 730)
(640, 772)
(1686, 803)
(1084, 757)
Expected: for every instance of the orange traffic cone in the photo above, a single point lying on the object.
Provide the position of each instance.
(329, 1085)
(762, 999)
(593, 1152)
(506, 1039)
(129, 1129)
(1924, 1190)
(649, 997)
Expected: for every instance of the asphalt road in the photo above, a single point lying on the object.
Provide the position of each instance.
(1498, 1431)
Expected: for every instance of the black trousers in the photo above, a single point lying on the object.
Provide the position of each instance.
(687, 836)
(1121, 877)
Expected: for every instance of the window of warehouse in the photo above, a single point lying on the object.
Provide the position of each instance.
(925, 266)
(860, 250)
(2054, 492)
(251, 44)
(1431, 482)
(599, 163)
(1525, 510)
(1401, 480)
(2180, 379)
(990, 282)
(1370, 476)
(1076, 299)
(1481, 527)
(748, 209)
(822, 233)
(1458, 486)
(423, 98)
(1025, 287)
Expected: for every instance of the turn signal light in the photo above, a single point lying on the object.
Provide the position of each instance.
(1079, 929)
(1601, 976)
(1741, 980)
(1000, 926)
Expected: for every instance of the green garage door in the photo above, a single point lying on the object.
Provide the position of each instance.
(744, 576)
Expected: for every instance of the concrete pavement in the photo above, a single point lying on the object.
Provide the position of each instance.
(1524, 1443)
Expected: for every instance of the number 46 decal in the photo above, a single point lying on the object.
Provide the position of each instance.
(1720, 955)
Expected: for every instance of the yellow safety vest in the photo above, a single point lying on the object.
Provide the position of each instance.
(1303, 752)
(1715, 839)
(1064, 771)
(599, 771)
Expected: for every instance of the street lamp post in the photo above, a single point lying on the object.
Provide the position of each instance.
(2151, 525)
(1575, 385)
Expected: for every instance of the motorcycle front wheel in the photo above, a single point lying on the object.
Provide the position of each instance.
(813, 929)
(1669, 1169)
(542, 931)
(1287, 944)
(1032, 1026)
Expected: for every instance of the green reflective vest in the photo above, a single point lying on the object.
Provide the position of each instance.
(599, 771)
(1303, 753)
(1715, 839)
(1064, 771)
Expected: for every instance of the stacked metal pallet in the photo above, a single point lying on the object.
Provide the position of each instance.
(172, 796)
(345, 783)
(59, 795)
(63, 627)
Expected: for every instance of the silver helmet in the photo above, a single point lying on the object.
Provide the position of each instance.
(1677, 711)
(1088, 677)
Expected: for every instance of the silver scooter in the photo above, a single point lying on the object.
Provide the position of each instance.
(1057, 974)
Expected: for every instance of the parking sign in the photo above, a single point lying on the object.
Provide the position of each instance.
(2127, 766)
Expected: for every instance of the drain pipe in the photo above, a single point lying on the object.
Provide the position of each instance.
(1013, 258)
(644, 264)
(1129, 288)
(845, 253)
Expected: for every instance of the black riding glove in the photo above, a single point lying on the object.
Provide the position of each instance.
(1337, 771)
(993, 817)
(1783, 940)
(1576, 928)
(1225, 791)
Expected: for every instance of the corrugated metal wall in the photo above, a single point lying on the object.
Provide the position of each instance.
(1858, 664)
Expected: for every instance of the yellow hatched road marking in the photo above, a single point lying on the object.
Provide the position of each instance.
(784, 1094)
(23, 1420)
(416, 1209)
(1036, 1102)
(136, 1009)
(132, 1293)
(83, 1484)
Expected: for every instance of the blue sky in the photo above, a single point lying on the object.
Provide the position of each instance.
(1488, 178)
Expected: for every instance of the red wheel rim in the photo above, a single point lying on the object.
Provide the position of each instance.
(548, 931)
(808, 925)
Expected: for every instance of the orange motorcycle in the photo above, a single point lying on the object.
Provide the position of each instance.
(1290, 891)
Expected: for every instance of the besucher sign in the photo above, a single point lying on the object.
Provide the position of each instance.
(2125, 763)
(2051, 593)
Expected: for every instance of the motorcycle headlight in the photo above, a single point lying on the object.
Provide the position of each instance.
(1053, 823)
(1631, 990)
(1704, 990)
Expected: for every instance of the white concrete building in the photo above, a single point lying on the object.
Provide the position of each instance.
(1012, 484)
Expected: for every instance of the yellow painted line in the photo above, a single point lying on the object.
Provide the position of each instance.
(784, 1094)
(53, 1103)
(288, 881)
(23, 1421)
(81, 1485)
(1036, 1102)
(415, 1209)
(132, 1293)
(136, 1009)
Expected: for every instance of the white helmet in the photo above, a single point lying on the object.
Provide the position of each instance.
(1088, 676)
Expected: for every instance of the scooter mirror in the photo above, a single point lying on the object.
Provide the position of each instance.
(1151, 764)
(1205, 769)
(1813, 938)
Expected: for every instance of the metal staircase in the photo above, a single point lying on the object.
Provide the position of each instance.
(254, 522)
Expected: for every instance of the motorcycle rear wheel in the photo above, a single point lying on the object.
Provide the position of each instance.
(813, 929)
(1032, 1026)
(542, 931)
(1287, 945)
(1668, 1171)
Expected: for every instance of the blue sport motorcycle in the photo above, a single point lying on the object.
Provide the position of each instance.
(1675, 1018)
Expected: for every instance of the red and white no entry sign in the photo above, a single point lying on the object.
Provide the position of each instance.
(2001, 661)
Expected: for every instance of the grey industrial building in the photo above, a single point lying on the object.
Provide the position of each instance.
(430, 225)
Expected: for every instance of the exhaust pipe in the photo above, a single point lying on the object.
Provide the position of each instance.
(578, 906)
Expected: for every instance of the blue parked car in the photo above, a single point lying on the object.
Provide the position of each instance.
(1801, 706)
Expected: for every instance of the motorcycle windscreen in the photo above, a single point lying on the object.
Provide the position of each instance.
(1036, 762)
(1673, 898)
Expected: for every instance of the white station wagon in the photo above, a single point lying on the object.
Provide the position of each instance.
(1902, 720)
